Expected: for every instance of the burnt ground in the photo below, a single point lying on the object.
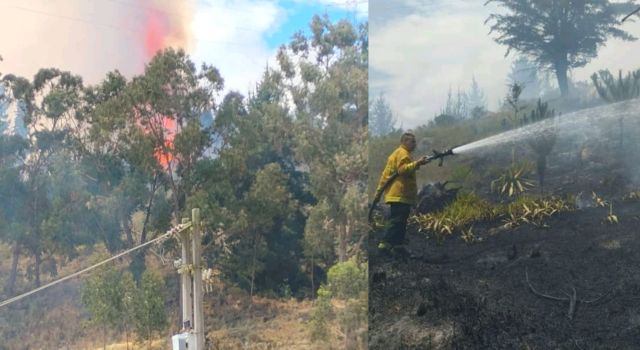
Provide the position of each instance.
(475, 296)
(457, 295)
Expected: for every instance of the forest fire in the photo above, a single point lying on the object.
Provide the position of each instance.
(159, 33)
(155, 32)
(165, 155)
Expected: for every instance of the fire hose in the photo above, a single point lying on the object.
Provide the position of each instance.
(436, 155)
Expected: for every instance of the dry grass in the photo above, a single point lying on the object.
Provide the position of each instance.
(270, 324)
(232, 321)
(154, 345)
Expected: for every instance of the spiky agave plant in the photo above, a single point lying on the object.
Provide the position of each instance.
(533, 211)
(514, 181)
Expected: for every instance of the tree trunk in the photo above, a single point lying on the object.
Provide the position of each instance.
(561, 68)
(313, 286)
(137, 262)
(342, 243)
(253, 266)
(126, 334)
(143, 234)
(11, 283)
(38, 256)
(174, 193)
(127, 230)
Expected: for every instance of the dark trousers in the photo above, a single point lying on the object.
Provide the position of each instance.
(397, 223)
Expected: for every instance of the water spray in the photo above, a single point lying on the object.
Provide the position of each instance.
(581, 122)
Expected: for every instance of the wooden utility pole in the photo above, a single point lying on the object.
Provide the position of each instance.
(185, 280)
(198, 312)
(190, 268)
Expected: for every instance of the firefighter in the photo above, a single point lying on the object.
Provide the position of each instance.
(402, 193)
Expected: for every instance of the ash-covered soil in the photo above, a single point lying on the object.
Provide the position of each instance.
(476, 296)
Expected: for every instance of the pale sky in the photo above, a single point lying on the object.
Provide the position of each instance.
(421, 48)
(91, 38)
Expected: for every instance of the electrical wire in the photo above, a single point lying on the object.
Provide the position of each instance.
(33, 291)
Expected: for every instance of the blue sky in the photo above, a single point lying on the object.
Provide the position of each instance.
(261, 27)
(299, 15)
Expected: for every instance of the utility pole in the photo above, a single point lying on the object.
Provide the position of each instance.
(190, 268)
(185, 280)
(198, 312)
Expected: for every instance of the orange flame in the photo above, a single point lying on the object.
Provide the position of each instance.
(165, 155)
(158, 34)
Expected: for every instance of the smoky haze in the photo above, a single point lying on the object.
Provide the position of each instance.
(90, 38)
(422, 49)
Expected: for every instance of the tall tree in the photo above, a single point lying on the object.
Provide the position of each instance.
(456, 107)
(147, 133)
(525, 72)
(331, 115)
(13, 203)
(476, 98)
(107, 294)
(558, 34)
(147, 303)
(381, 119)
(48, 106)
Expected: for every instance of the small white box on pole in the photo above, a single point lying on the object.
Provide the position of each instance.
(180, 341)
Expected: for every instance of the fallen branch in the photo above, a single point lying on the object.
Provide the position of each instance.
(570, 297)
(526, 274)
(572, 303)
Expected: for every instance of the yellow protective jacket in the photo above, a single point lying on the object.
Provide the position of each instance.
(404, 188)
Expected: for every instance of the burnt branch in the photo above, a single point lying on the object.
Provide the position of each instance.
(571, 297)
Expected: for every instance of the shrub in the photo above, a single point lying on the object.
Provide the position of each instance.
(465, 210)
(514, 181)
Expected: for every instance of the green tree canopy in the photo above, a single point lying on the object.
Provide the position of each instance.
(558, 34)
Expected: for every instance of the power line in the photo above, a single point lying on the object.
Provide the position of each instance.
(33, 291)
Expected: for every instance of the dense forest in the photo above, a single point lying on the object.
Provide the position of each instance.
(279, 175)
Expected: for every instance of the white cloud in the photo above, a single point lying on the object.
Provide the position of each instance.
(230, 36)
(425, 56)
